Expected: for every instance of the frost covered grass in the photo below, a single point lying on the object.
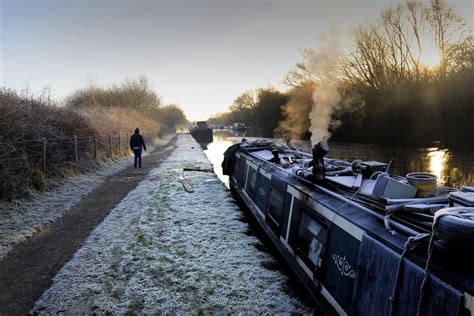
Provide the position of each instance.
(20, 219)
(163, 250)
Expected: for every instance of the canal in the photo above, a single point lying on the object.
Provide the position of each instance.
(452, 167)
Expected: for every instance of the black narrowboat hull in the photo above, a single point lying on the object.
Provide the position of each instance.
(310, 286)
(339, 250)
(202, 135)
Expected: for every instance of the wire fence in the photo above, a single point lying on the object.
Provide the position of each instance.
(29, 163)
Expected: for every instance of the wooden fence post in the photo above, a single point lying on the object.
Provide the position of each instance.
(44, 156)
(75, 149)
(110, 146)
(95, 148)
(126, 145)
(119, 147)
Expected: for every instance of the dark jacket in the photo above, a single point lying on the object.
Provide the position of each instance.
(137, 141)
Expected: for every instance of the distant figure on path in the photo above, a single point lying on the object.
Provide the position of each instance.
(136, 144)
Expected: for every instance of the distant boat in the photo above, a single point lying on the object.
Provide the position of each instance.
(201, 132)
(239, 127)
(357, 237)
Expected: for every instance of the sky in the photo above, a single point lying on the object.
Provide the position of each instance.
(198, 54)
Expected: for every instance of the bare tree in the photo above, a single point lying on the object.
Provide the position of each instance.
(460, 56)
(447, 26)
(242, 109)
(370, 64)
(244, 101)
(415, 19)
(388, 52)
(302, 73)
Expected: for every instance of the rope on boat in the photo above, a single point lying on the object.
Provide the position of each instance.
(410, 244)
(419, 307)
(424, 283)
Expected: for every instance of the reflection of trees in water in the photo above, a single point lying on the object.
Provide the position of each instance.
(457, 178)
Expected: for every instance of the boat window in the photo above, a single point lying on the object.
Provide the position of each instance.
(275, 207)
(263, 191)
(252, 183)
(240, 171)
(311, 240)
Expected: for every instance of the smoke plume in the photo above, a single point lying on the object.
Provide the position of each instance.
(296, 112)
(325, 63)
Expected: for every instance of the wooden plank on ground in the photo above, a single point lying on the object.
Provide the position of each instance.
(186, 184)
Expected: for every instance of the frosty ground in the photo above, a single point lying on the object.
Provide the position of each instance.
(19, 220)
(165, 250)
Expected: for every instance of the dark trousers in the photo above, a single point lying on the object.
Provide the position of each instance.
(138, 157)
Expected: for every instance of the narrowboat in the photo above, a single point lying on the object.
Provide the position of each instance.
(201, 132)
(361, 240)
(240, 127)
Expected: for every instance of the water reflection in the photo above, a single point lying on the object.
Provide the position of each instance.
(215, 153)
(438, 161)
(238, 133)
(453, 167)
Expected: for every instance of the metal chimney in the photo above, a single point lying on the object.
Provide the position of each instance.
(319, 151)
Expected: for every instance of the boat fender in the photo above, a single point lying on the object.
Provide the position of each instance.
(456, 226)
(453, 225)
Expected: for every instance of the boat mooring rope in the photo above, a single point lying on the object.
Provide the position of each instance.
(419, 307)
(410, 244)
(424, 283)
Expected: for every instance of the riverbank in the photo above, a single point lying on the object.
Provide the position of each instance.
(162, 249)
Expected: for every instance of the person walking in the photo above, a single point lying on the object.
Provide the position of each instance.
(136, 145)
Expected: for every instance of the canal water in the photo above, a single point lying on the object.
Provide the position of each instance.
(452, 167)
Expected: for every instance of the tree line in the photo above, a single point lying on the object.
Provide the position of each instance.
(28, 120)
(134, 100)
(390, 92)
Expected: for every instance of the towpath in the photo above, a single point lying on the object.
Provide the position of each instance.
(162, 249)
(27, 270)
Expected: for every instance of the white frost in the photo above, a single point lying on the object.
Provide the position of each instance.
(20, 219)
(165, 250)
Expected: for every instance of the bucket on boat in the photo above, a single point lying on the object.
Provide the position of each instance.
(425, 183)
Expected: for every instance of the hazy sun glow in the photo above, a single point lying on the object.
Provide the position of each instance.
(431, 58)
(438, 160)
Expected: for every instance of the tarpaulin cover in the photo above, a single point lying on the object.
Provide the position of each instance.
(376, 275)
